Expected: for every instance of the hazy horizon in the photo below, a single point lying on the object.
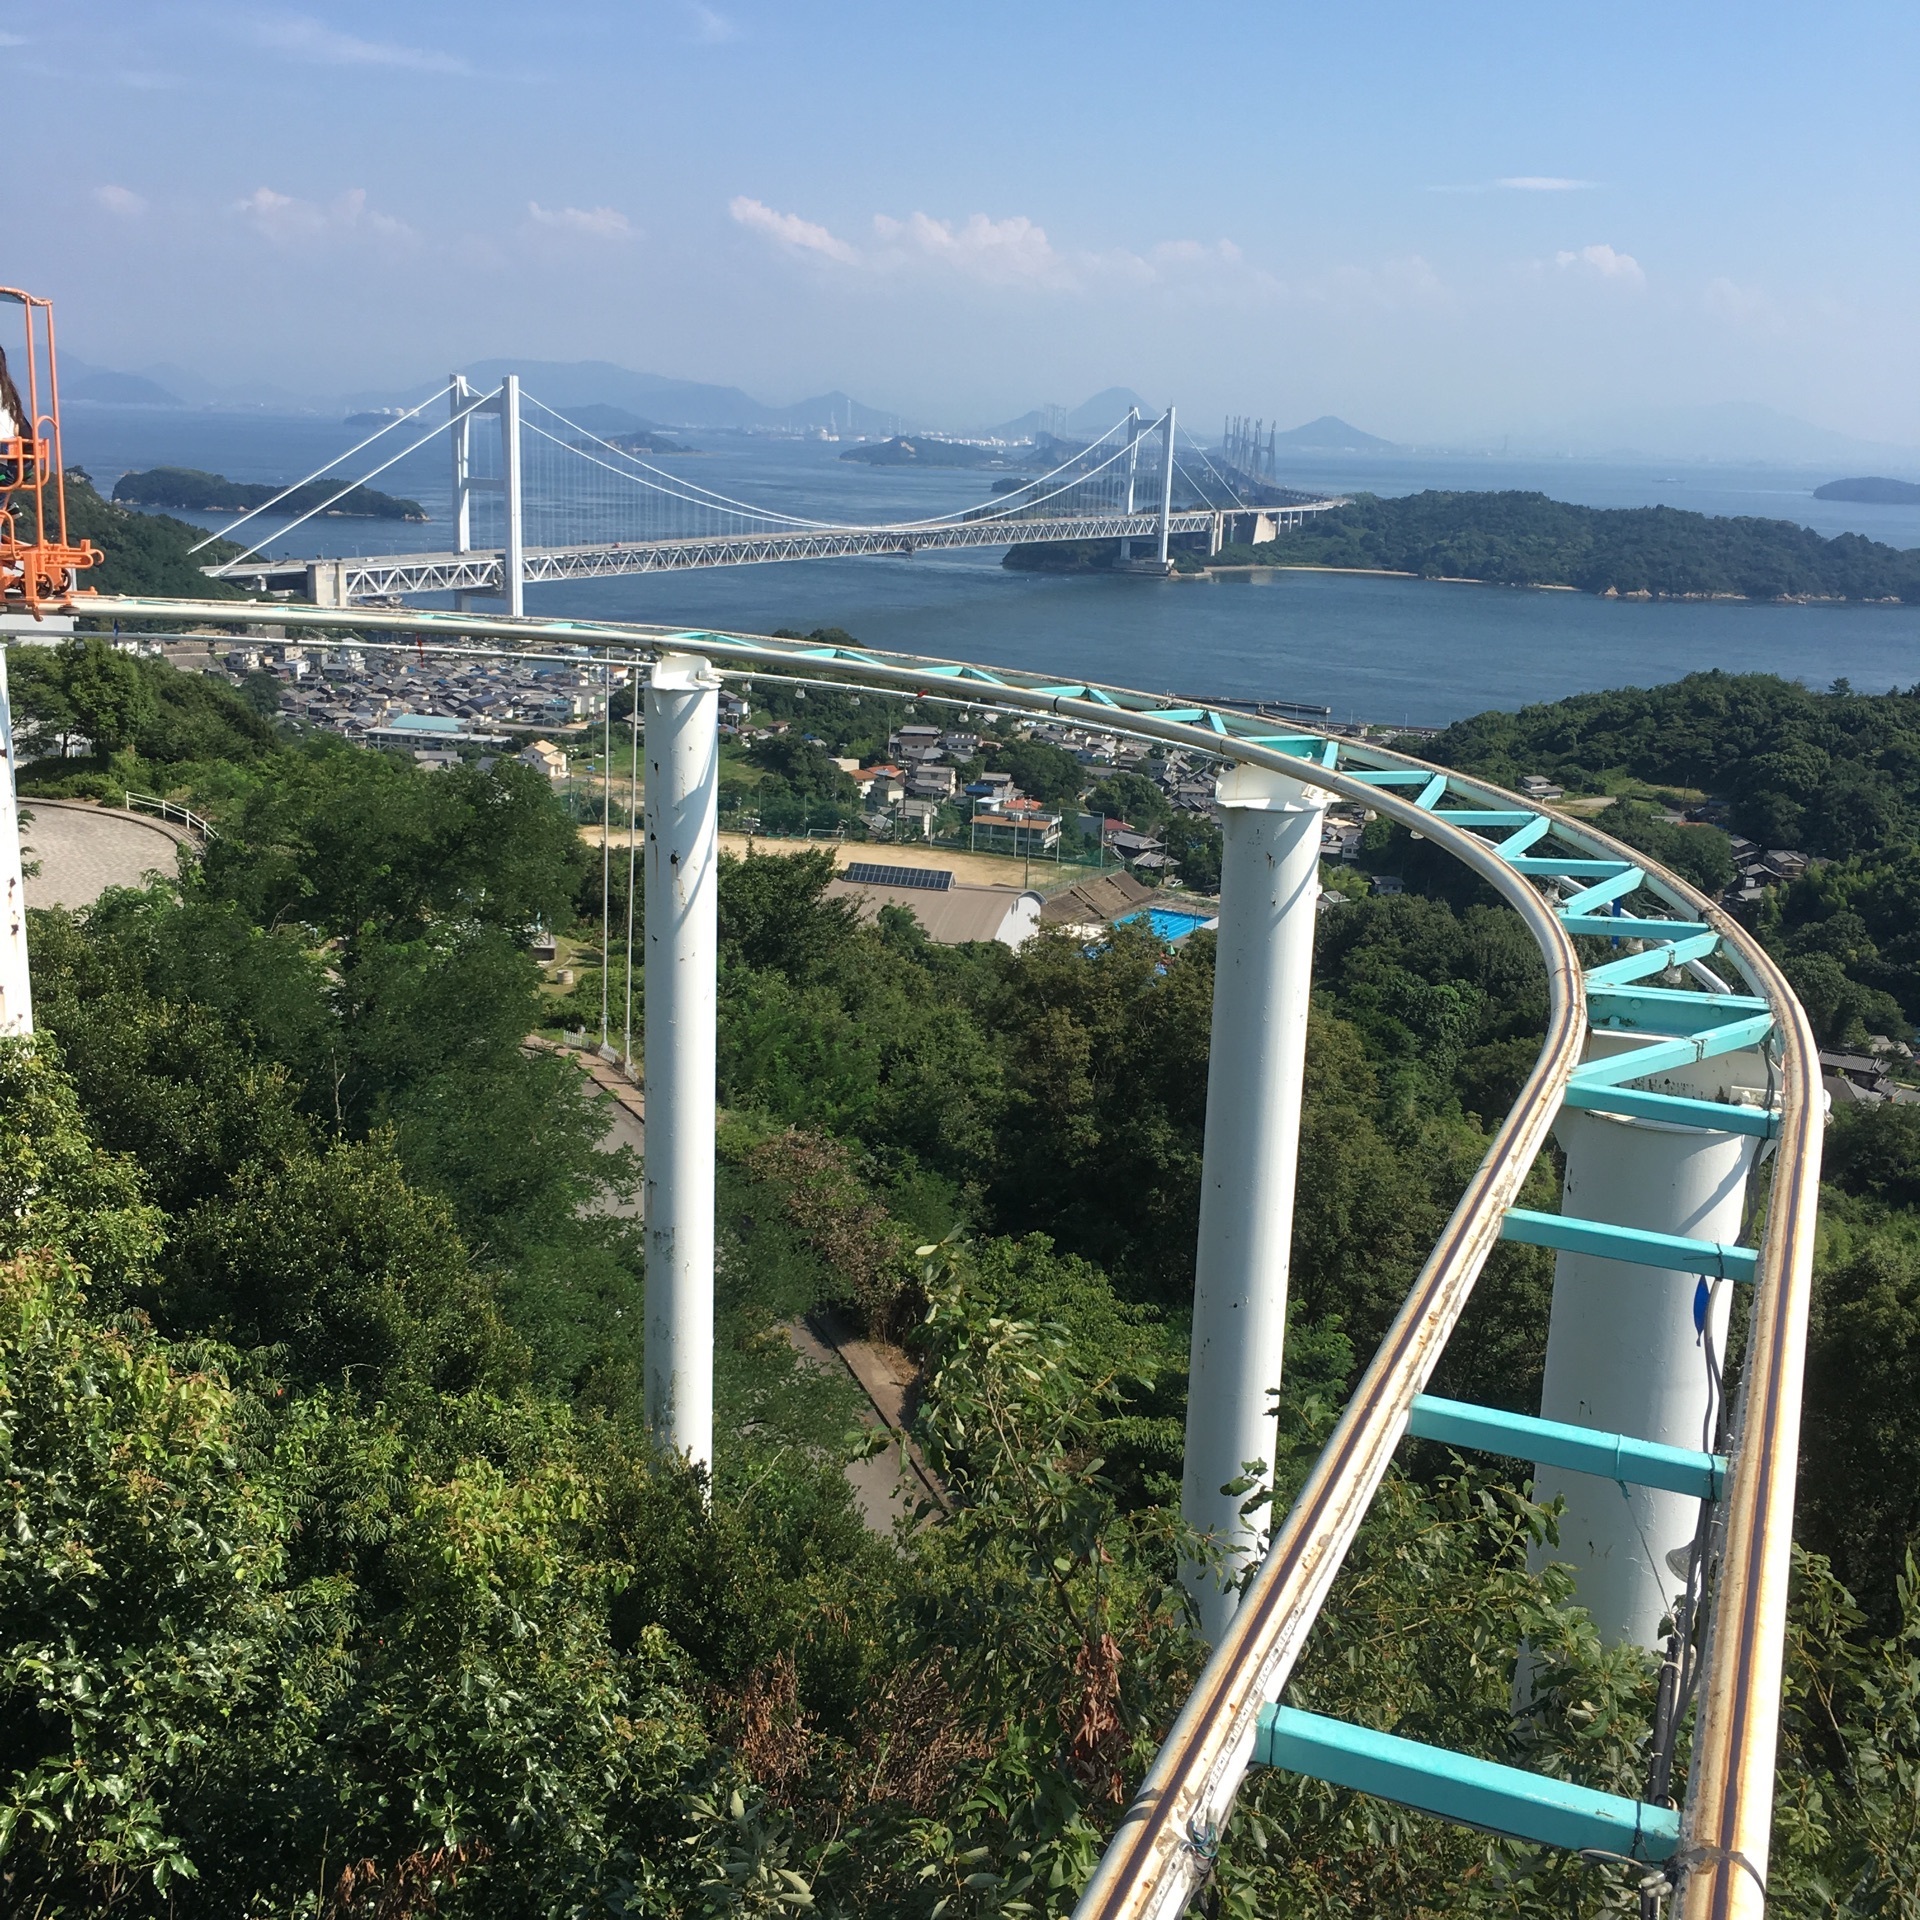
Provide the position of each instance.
(1441, 231)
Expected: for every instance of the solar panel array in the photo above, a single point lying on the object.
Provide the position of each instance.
(932, 879)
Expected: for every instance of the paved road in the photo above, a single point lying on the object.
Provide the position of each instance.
(84, 849)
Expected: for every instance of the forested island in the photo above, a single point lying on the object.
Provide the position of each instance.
(340, 1578)
(191, 490)
(1873, 489)
(142, 551)
(920, 451)
(1529, 540)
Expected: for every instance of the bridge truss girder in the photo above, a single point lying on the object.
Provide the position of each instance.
(339, 583)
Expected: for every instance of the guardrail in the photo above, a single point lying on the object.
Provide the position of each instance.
(203, 829)
(1164, 1845)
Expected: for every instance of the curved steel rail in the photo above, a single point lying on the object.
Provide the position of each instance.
(1159, 1853)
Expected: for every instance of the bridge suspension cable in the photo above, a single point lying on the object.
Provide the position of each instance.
(373, 473)
(267, 506)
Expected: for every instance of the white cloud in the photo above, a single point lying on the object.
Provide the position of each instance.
(121, 201)
(310, 40)
(14, 40)
(1013, 251)
(804, 236)
(1601, 262)
(712, 29)
(290, 222)
(596, 223)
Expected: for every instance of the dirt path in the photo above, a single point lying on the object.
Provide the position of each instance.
(886, 1485)
(977, 869)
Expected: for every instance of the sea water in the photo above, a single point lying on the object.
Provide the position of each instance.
(1367, 648)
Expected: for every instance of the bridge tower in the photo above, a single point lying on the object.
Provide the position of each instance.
(1133, 464)
(505, 404)
(1166, 488)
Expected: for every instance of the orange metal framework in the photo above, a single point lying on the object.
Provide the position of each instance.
(38, 562)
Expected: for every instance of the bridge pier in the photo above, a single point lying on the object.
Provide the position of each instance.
(1263, 971)
(682, 946)
(1627, 1346)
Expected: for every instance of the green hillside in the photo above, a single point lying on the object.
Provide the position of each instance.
(1527, 539)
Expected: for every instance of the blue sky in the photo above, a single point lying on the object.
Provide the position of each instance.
(1433, 221)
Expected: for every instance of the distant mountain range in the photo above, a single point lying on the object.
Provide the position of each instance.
(1330, 434)
(1084, 422)
(1721, 431)
(101, 386)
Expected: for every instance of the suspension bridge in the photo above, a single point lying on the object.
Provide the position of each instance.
(537, 497)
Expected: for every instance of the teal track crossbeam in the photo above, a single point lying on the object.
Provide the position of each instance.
(1633, 1245)
(1616, 886)
(1555, 866)
(1656, 959)
(1485, 817)
(1668, 1009)
(1456, 1786)
(1658, 1056)
(1610, 926)
(1552, 1443)
(1638, 1104)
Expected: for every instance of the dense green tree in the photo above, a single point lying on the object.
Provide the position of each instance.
(1048, 773)
(1129, 796)
(1193, 839)
(109, 696)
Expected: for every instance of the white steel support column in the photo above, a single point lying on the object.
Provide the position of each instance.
(1166, 488)
(682, 874)
(1133, 463)
(1269, 882)
(16, 992)
(1635, 1350)
(513, 564)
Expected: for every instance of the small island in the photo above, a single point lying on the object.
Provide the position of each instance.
(902, 452)
(190, 490)
(1873, 490)
(647, 440)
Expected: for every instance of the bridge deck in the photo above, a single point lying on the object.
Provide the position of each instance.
(334, 583)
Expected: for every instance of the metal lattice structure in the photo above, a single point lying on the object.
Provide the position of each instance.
(1647, 983)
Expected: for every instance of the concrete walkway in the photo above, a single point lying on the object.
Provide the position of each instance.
(84, 849)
